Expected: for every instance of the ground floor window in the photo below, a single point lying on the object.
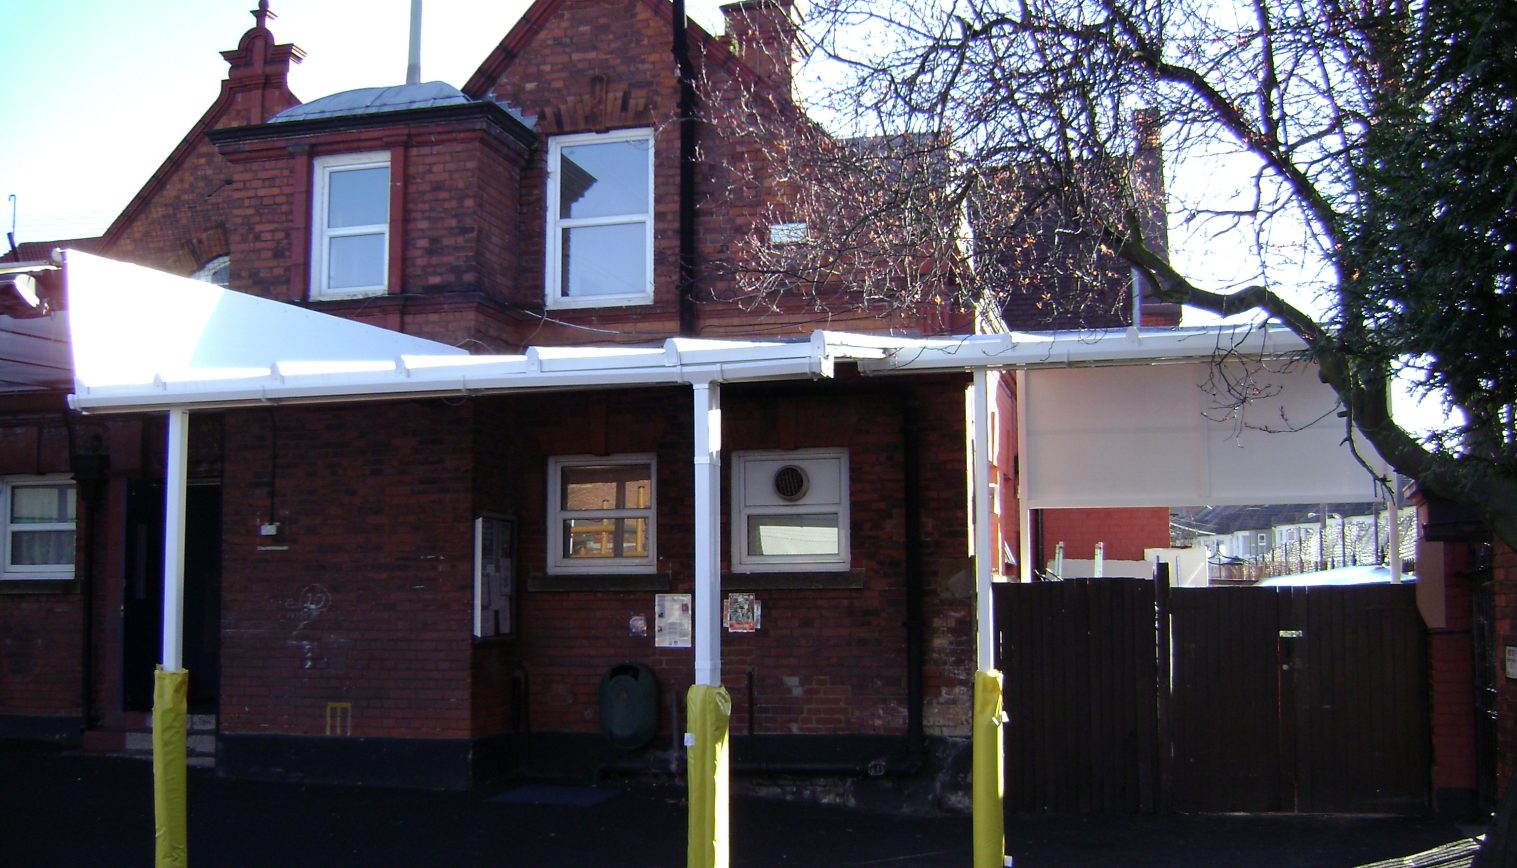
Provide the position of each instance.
(601, 515)
(790, 510)
(38, 518)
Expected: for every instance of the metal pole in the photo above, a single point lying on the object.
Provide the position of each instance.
(413, 56)
(708, 579)
(1393, 538)
(982, 555)
(176, 482)
(1024, 512)
(988, 783)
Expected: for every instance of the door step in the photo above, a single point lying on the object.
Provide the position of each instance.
(137, 741)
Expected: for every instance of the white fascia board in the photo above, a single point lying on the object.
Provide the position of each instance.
(1068, 349)
(421, 377)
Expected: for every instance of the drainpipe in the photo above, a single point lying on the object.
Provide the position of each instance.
(89, 472)
(687, 157)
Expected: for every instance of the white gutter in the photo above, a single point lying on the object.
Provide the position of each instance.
(1086, 348)
(421, 377)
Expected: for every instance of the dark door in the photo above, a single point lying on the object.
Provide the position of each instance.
(142, 610)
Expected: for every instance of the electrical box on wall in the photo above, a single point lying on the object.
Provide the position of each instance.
(494, 576)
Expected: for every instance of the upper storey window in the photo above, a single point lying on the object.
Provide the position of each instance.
(350, 241)
(600, 219)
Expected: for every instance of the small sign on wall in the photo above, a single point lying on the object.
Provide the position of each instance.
(741, 613)
(1511, 662)
(671, 620)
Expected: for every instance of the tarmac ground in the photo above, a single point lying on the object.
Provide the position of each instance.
(64, 808)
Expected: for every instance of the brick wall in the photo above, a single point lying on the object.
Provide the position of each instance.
(453, 203)
(364, 596)
(40, 643)
(825, 660)
(1126, 532)
(186, 226)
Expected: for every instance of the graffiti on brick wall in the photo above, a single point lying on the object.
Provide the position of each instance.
(305, 609)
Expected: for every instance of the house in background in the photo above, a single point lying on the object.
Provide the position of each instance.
(1248, 543)
(432, 591)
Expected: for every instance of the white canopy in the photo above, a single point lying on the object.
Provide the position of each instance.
(1142, 430)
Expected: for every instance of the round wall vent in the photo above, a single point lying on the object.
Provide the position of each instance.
(791, 482)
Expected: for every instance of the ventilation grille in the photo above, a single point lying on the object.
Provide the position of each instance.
(791, 482)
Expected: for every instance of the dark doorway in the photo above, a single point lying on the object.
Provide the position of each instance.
(142, 608)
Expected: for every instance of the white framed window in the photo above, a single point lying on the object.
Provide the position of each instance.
(790, 510)
(600, 219)
(350, 225)
(39, 516)
(218, 271)
(601, 514)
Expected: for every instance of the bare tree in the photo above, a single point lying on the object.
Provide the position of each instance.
(977, 151)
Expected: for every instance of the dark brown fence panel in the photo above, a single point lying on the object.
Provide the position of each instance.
(1224, 718)
(1081, 676)
(1361, 700)
(1275, 699)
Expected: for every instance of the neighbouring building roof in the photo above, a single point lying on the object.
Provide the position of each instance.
(373, 100)
(378, 100)
(1228, 519)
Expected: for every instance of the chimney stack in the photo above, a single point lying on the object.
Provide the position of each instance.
(764, 35)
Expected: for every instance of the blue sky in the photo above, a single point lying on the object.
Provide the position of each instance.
(96, 94)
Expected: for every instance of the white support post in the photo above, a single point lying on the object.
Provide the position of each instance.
(982, 554)
(1024, 513)
(175, 484)
(1393, 538)
(708, 576)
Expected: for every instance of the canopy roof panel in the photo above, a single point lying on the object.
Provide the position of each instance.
(1141, 432)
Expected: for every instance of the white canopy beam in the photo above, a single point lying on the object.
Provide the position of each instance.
(176, 485)
(708, 503)
(986, 651)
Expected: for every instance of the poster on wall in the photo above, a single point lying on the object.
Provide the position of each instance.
(741, 613)
(671, 621)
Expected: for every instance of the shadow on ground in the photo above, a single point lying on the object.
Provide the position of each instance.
(64, 808)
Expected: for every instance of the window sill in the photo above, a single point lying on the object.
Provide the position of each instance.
(593, 302)
(599, 582)
(37, 586)
(350, 294)
(795, 579)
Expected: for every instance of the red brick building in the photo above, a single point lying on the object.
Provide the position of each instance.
(335, 551)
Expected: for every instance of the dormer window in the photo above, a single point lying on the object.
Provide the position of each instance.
(350, 219)
(600, 219)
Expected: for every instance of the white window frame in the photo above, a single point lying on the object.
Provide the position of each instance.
(553, 269)
(743, 561)
(33, 572)
(207, 272)
(322, 170)
(558, 564)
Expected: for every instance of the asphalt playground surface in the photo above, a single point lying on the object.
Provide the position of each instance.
(64, 808)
